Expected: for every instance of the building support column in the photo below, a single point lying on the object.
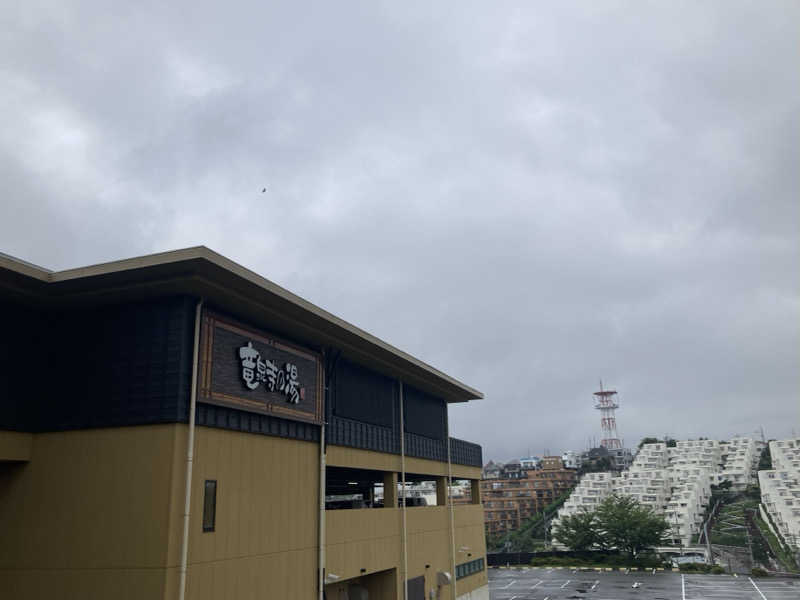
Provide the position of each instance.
(475, 491)
(441, 491)
(390, 490)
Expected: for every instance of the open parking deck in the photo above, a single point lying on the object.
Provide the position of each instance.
(568, 584)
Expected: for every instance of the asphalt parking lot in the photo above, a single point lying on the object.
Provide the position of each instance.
(568, 584)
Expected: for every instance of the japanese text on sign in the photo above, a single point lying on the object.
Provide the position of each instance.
(256, 371)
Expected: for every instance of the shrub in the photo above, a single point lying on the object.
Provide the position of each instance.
(700, 568)
(757, 572)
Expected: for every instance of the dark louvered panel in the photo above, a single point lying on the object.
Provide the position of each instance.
(222, 417)
(120, 365)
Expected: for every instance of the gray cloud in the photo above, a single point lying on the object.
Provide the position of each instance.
(527, 197)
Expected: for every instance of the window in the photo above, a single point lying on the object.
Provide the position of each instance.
(210, 505)
(469, 568)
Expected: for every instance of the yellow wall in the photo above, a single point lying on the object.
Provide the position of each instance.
(15, 445)
(87, 517)
(267, 518)
(371, 539)
(340, 456)
(97, 514)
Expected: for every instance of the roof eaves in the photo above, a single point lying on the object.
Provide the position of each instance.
(204, 253)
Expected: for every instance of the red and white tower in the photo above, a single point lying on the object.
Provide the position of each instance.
(605, 401)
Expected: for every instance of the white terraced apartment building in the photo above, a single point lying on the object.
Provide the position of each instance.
(740, 458)
(591, 490)
(780, 490)
(675, 482)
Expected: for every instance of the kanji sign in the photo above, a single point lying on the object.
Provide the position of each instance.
(256, 371)
(252, 370)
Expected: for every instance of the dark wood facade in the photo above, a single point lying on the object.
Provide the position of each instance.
(130, 364)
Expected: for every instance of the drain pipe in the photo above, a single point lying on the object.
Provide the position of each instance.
(187, 501)
(321, 535)
(322, 465)
(403, 479)
(450, 501)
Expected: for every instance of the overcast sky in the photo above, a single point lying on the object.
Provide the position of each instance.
(529, 196)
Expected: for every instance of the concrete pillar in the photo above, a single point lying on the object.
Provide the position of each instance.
(390, 490)
(475, 489)
(441, 491)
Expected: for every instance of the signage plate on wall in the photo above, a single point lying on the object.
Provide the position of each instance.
(252, 370)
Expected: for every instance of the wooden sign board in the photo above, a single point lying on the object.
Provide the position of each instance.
(252, 370)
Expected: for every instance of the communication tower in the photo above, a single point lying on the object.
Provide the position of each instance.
(606, 402)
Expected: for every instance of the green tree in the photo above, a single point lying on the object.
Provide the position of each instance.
(597, 465)
(648, 440)
(626, 524)
(578, 531)
(765, 461)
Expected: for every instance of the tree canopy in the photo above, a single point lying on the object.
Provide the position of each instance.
(628, 525)
(618, 522)
(578, 531)
(670, 442)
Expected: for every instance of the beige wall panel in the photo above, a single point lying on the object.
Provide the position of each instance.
(382, 586)
(80, 584)
(361, 524)
(15, 445)
(87, 517)
(362, 539)
(433, 467)
(265, 539)
(88, 499)
(371, 539)
(341, 456)
(469, 533)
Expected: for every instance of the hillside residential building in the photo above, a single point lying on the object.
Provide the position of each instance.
(572, 459)
(589, 492)
(740, 457)
(780, 490)
(618, 459)
(675, 482)
(530, 462)
(508, 501)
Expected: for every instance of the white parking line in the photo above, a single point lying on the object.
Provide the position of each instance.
(683, 586)
(595, 584)
(758, 590)
(538, 584)
(566, 584)
(510, 583)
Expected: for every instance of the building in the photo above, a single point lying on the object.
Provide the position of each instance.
(780, 491)
(693, 465)
(176, 426)
(674, 482)
(491, 470)
(572, 459)
(530, 462)
(509, 500)
(603, 459)
(590, 491)
(740, 458)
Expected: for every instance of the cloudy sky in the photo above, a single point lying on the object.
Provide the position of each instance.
(530, 196)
